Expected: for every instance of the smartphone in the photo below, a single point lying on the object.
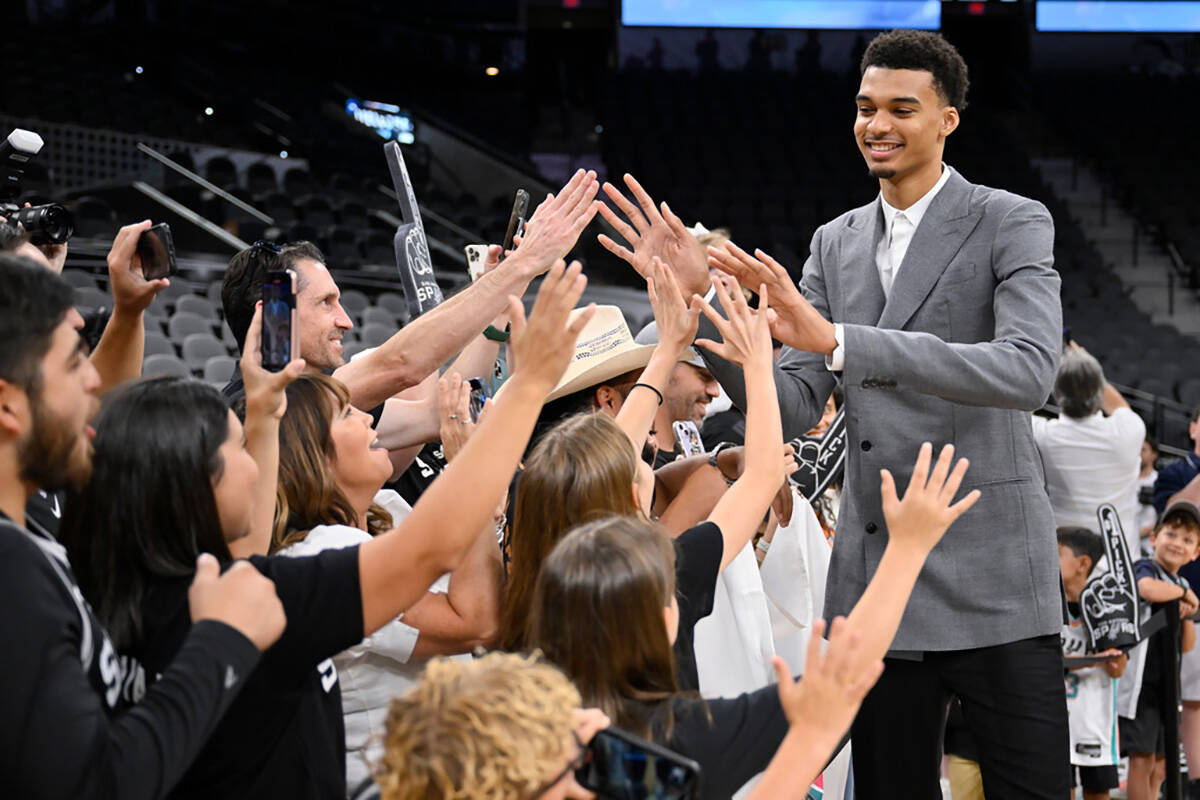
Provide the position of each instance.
(156, 249)
(515, 220)
(479, 394)
(280, 332)
(621, 766)
(476, 256)
(688, 437)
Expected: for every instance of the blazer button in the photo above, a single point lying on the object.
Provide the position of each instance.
(866, 445)
(872, 527)
(867, 383)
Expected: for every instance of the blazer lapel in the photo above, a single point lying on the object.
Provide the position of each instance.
(861, 288)
(946, 224)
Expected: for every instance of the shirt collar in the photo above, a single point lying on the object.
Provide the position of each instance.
(917, 210)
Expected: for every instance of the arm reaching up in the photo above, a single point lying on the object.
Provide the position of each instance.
(265, 406)
(397, 567)
(747, 342)
(676, 329)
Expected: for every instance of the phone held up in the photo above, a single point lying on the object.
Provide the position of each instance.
(688, 436)
(156, 251)
(516, 220)
(617, 765)
(279, 329)
(479, 395)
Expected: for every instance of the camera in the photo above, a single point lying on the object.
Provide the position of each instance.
(47, 224)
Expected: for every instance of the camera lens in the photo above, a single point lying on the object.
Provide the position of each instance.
(48, 224)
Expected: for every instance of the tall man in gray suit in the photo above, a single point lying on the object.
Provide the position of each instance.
(936, 307)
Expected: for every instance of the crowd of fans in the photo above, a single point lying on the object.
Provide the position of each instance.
(283, 588)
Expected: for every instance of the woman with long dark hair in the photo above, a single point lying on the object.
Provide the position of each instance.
(171, 478)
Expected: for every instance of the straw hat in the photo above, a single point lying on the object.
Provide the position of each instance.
(605, 349)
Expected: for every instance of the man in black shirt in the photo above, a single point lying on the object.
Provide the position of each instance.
(67, 728)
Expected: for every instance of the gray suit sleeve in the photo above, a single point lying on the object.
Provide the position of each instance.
(1016, 369)
(801, 379)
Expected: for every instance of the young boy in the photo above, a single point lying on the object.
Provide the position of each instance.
(1176, 541)
(1091, 691)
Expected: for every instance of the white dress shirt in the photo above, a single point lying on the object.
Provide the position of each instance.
(898, 229)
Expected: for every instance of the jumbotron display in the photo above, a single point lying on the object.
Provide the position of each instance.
(844, 14)
(1118, 16)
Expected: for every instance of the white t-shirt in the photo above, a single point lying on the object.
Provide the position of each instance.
(374, 672)
(1090, 462)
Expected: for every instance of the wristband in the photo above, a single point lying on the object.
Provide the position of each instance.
(763, 545)
(712, 461)
(651, 388)
(495, 334)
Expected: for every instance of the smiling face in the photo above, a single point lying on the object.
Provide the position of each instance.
(1176, 542)
(55, 451)
(902, 123)
(359, 466)
(688, 393)
(322, 319)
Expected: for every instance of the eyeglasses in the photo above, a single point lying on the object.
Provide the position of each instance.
(576, 763)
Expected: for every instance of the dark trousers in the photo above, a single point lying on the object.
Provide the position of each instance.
(1013, 701)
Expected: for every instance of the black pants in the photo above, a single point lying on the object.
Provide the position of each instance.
(1013, 702)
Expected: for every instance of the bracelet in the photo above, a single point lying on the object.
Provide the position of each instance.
(651, 388)
(763, 545)
(495, 334)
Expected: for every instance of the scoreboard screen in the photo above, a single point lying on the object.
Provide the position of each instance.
(843, 14)
(1149, 16)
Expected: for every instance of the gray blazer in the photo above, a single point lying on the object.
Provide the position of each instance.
(967, 345)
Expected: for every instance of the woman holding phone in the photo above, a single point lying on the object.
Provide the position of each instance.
(174, 455)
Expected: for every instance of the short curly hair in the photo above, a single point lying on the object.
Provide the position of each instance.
(926, 51)
(493, 727)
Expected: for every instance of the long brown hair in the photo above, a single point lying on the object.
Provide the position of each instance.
(582, 469)
(598, 614)
(308, 494)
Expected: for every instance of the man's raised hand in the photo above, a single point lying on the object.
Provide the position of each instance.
(555, 225)
(653, 231)
(132, 293)
(795, 322)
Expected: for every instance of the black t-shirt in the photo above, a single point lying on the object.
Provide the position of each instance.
(1152, 670)
(67, 728)
(43, 513)
(732, 739)
(698, 554)
(424, 470)
(284, 736)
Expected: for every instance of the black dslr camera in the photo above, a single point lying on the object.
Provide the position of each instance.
(48, 224)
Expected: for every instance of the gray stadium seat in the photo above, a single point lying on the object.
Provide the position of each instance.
(354, 301)
(219, 369)
(197, 305)
(181, 325)
(199, 348)
(379, 316)
(373, 335)
(164, 365)
(158, 345)
(93, 298)
(81, 279)
(176, 290)
(392, 301)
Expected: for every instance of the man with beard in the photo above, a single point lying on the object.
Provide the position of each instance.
(66, 728)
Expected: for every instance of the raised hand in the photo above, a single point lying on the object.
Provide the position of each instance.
(541, 347)
(746, 334)
(677, 323)
(653, 231)
(243, 598)
(454, 407)
(826, 699)
(556, 224)
(795, 322)
(132, 293)
(921, 518)
(264, 390)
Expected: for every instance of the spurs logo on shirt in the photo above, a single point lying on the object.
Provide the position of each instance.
(328, 673)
